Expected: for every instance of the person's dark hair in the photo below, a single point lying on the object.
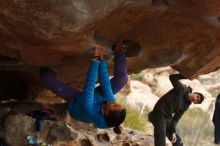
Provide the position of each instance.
(115, 118)
(201, 96)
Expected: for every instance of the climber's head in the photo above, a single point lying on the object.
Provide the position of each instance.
(114, 115)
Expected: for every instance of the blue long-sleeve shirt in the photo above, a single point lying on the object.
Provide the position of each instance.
(86, 105)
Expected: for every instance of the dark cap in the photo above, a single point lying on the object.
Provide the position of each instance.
(115, 117)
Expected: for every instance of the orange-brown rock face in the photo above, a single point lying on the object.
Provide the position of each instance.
(181, 33)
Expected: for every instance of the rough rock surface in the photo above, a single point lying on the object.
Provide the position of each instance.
(16, 126)
(181, 33)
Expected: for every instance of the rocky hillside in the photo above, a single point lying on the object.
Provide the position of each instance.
(211, 82)
(149, 85)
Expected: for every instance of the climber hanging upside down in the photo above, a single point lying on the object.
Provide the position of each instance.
(94, 105)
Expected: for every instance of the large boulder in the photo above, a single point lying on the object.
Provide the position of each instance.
(181, 33)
